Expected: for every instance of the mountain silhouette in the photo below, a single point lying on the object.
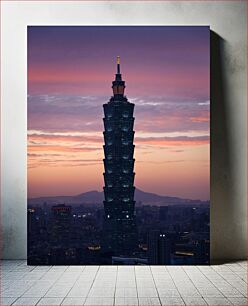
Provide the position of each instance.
(95, 197)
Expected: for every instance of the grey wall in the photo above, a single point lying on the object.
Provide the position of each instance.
(227, 20)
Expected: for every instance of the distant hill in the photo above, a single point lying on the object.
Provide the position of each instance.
(95, 197)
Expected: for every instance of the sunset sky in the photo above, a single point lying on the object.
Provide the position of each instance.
(70, 70)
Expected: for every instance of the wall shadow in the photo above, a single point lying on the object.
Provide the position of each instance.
(222, 215)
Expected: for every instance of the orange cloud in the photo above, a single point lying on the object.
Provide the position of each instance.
(173, 141)
(49, 148)
(199, 119)
(67, 138)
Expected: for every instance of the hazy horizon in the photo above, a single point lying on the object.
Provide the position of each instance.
(101, 191)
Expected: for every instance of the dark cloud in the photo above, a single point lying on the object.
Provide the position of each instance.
(56, 113)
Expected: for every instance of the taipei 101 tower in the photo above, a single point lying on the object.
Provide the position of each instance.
(119, 227)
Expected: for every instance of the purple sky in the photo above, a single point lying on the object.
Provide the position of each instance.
(166, 69)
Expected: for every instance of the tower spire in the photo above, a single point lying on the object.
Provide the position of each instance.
(118, 64)
(118, 84)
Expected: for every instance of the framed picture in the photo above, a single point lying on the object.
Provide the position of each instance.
(118, 145)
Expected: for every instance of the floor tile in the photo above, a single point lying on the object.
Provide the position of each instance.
(126, 269)
(99, 302)
(166, 292)
(239, 301)
(210, 292)
(42, 268)
(58, 268)
(73, 301)
(26, 301)
(79, 291)
(229, 291)
(194, 301)
(147, 292)
(126, 292)
(166, 301)
(50, 301)
(7, 301)
(149, 301)
(191, 292)
(51, 275)
(148, 283)
(75, 269)
(84, 280)
(129, 271)
(38, 290)
(125, 283)
(33, 276)
(58, 291)
(90, 269)
(121, 301)
(217, 301)
(103, 283)
(15, 275)
(102, 292)
(12, 292)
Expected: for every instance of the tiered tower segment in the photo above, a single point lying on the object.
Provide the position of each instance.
(120, 236)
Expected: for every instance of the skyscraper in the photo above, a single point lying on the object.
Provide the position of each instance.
(61, 225)
(159, 248)
(120, 236)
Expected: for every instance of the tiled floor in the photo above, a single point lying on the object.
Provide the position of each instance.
(123, 285)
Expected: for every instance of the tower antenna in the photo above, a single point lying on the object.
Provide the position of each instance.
(118, 64)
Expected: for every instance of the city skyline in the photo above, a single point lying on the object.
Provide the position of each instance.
(167, 74)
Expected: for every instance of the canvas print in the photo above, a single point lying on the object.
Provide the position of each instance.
(118, 145)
